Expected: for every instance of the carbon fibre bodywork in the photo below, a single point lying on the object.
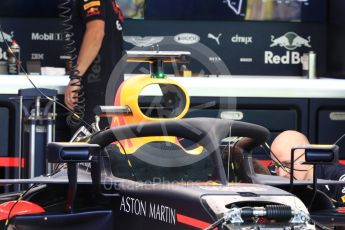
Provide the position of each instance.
(101, 200)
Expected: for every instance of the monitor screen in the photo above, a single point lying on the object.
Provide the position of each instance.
(241, 10)
(50, 8)
(132, 8)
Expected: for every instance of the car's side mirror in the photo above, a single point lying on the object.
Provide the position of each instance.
(314, 155)
(321, 154)
(65, 152)
(71, 153)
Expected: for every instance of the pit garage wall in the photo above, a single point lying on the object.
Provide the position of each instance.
(276, 114)
(336, 38)
(321, 120)
(327, 122)
(245, 48)
(42, 40)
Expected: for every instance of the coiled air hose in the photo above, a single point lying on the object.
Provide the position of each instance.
(73, 119)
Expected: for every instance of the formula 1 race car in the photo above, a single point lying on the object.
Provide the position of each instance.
(160, 186)
(146, 172)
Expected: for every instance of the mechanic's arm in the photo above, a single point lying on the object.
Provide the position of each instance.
(91, 44)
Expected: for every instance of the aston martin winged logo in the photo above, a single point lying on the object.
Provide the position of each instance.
(140, 41)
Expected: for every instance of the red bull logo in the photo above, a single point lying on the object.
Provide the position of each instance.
(289, 41)
(290, 57)
(6, 37)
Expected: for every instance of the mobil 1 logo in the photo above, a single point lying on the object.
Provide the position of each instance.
(290, 41)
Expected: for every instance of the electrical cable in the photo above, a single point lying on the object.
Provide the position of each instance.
(285, 170)
(230, 160)
(229, 153)
(215, 224)
(319, 225)
(281, 165)
(311, 202)
(24, 193)
(233, 160)
(17, 201)
(77, 116)
(339, 139)
(128, 161)
(276, 160)
(57, 169)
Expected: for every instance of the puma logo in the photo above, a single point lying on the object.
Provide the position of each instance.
(216, 38)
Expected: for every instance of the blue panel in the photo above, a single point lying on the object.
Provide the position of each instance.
(4, 119)
(327, 123)
(31, 8)
(87, 220)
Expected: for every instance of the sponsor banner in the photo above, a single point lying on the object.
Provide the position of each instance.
(246, 48)
(187, 38)
(46, 36)
(143, 41)
(39, 39)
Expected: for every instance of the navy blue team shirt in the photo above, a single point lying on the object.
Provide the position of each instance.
(332, 172)
(95, 79)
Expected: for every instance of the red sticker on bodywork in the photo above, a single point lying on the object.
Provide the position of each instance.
(21, 207)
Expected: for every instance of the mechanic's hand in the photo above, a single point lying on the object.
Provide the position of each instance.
(71, 96)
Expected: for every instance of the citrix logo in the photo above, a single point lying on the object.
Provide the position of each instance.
(242, 39)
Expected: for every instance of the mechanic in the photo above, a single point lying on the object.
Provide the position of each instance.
(281, 152)
(98, 31)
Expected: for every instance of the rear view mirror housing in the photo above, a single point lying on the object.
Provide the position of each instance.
(71, 153)
(315, 155)
(321, 154)
(65, 152)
